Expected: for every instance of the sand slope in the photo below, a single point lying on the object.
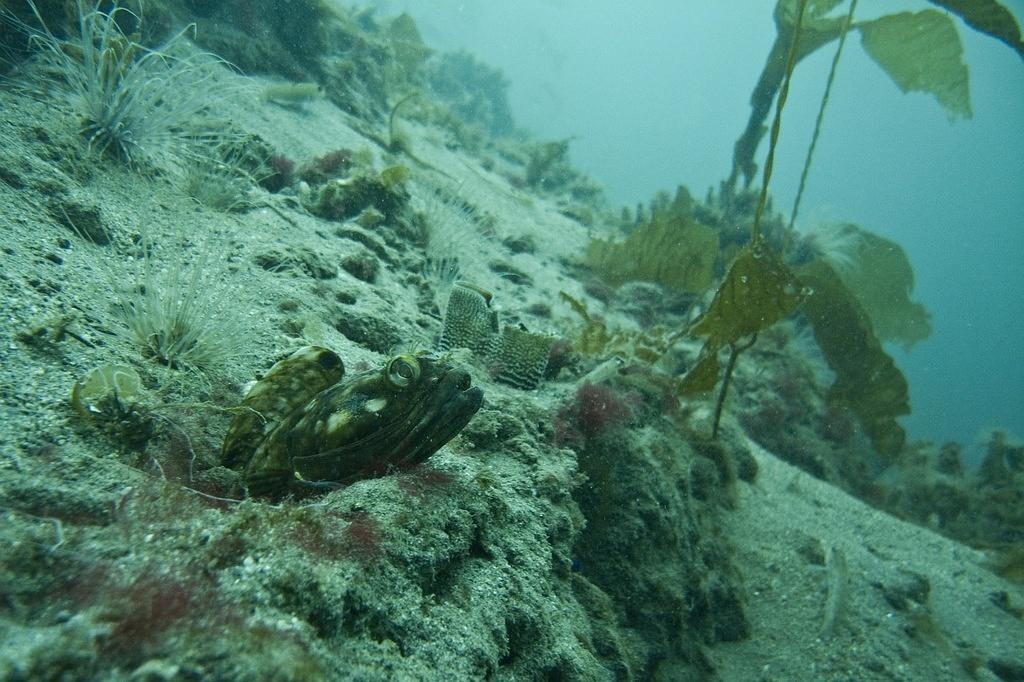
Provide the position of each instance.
(467, 569)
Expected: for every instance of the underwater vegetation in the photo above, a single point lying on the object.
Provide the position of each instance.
(132, 102)
(879, 275)
(643, 508)
(342, 198)
(919, 51)
(758, 289)
(396, 525)
(595, 409)
(352, 59)
(173, 294)
(113, 397)
(406, 43)
(867, 380)
(850, 287)
(982, 507)
(597, 339)
(475, 92)
(853, 286)
(672, 249)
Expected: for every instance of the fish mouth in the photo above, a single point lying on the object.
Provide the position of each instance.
(456, 402)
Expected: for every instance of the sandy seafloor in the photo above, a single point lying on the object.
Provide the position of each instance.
(505, 558)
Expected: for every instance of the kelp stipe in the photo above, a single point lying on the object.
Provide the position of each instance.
(759, 289)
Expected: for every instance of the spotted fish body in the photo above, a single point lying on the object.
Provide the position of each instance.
(322, 430)
(294, 380)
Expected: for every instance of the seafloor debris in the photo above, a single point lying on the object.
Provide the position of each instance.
(112, 396)
(520, 357)
(469, 320)
(515, 356)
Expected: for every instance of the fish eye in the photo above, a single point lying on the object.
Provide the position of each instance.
(402, 371)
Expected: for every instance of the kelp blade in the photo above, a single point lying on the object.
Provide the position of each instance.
(758, 291)
(672, 250)
(921, 51)
(880, 276)
(867, 380)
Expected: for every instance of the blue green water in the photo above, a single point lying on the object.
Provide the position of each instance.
(655, 93)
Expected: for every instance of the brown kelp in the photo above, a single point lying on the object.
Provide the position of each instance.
(759, 289)
(919, 51)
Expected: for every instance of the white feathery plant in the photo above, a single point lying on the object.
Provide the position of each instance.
(132, 101)
(178, 310)
(838, 245)
(454, 242)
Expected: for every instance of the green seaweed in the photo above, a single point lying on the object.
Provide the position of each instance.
(345, 198)
(407, 44)
(758, 291)
(398, 142)
(897, 42)
(394, 178)
(597, 340)
(872, 294)
(112, 397)
(815, 31)
(881, 278)
(867, 381)
(988, 17)
(821, 116)
(920, 51)
(672, 249)
(476, 93)
(1008, 562)
(107, 388)
(548, 165)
